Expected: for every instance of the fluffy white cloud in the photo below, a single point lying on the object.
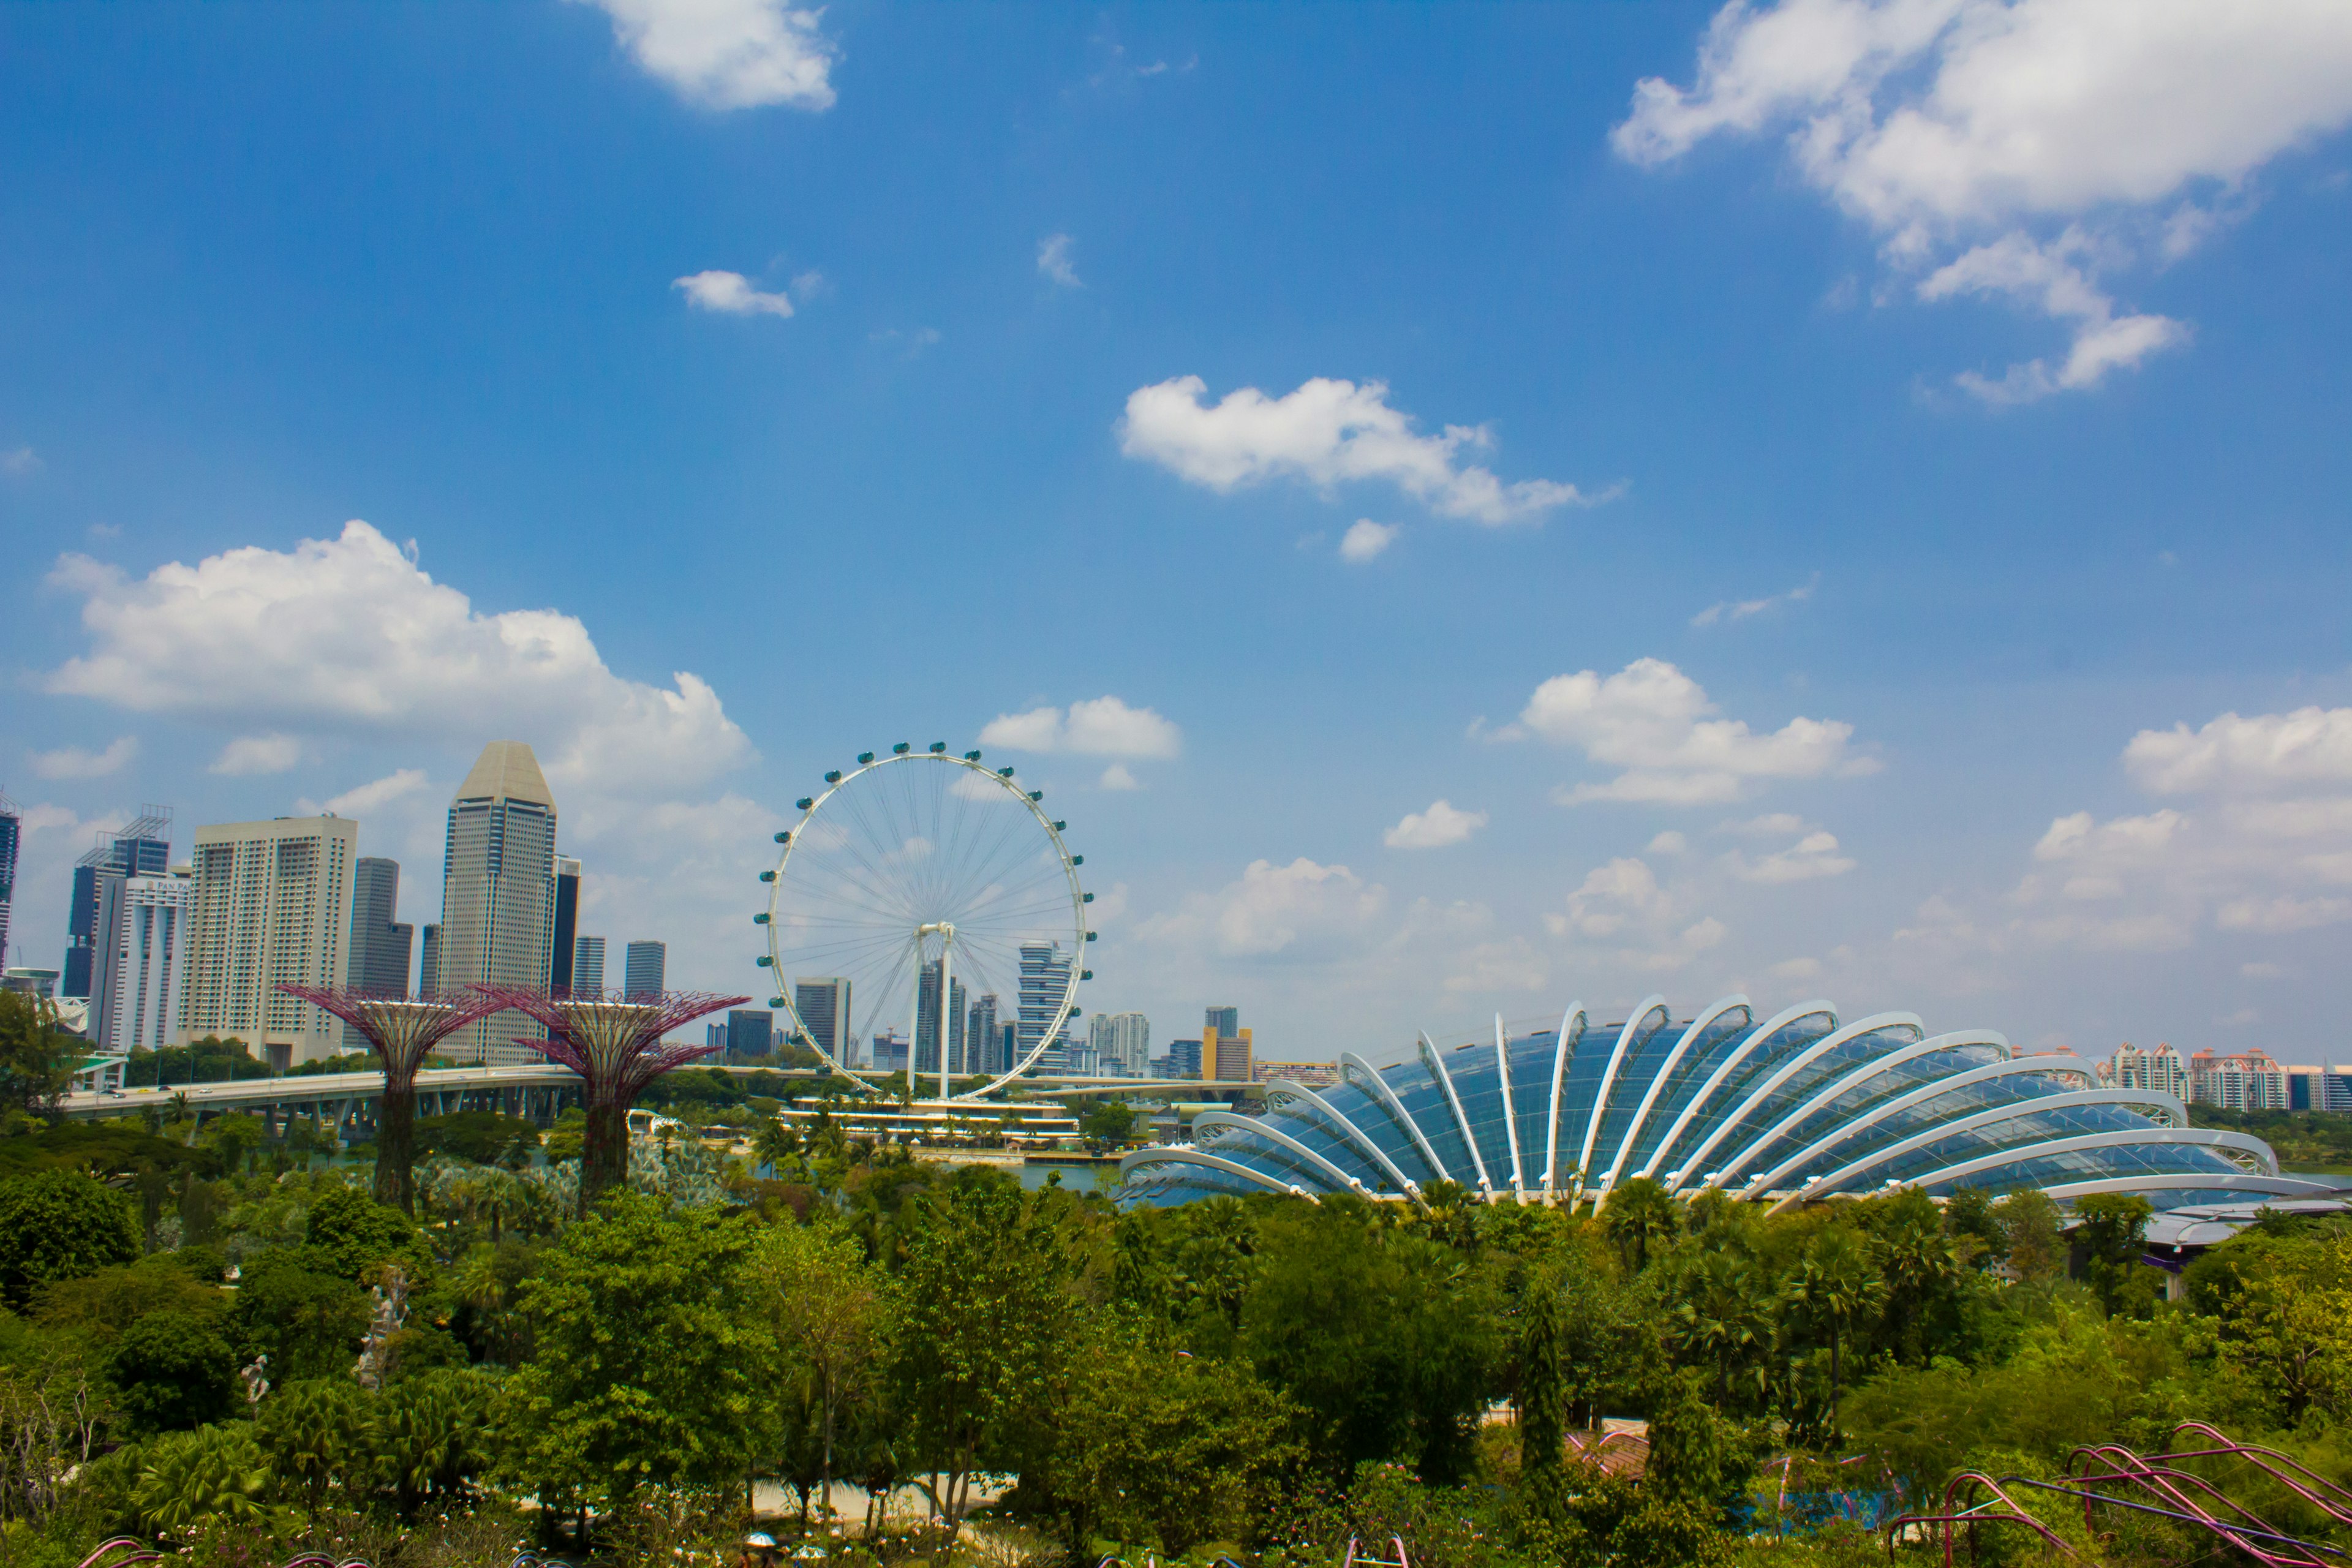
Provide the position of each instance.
(1053, 260)
(1102, 727)
(1815, 855)
(730, 293)
(1435, 829)
(1365, 539)
(1741, 609)
(1297, 910)
(1621, 915)
(249, 754)
(75, 763)
(1948, 124)
(1327, 432)
(1669, 842)
(1656, 724)
(2261, 843)
(366, 799)
(347, 635)
(730, 54)
(1117, 776)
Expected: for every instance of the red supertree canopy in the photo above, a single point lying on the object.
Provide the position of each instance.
(402, 1030)
(614, 1044)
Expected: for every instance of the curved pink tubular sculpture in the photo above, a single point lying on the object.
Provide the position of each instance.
(2249, 1533)
(1978, 1514)
(102, 1555)
(2316, 1489)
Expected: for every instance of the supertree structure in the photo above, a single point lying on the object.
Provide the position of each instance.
(402, 1032)
(616, 1045)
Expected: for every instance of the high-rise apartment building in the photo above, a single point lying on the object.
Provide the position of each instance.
(1182, 1061)
(2249, 1080)
(644, 968)
(270, 903)
(1122, 1045)
(429, 964)
(587, 964)
(567, 923)
(823, 1004)
(927, 1022)
(984, 1036)
(497, 895)
(1224, 1047)
(12, 833)
(1044, 981)
(135, 987)
(142, 848)
(381, 944)
(750, 1032)
(2160, 1069)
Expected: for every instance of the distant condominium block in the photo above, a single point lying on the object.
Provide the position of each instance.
(497, 896)
(587, 963)
(927, 1021)
(12, 833)
(1225, 1052)
(1044, 987)
(748, 1032)
(984, 1036)
(1181, 1062)
(646, 967)
(2249, 1080)
(142, 848)
(382, 944)
(269, 903)
(141, 923)
(822, 1002)
(567, 923)
(2160, 1069)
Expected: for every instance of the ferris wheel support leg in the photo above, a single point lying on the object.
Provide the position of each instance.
(943, 1028)
(914, 1018)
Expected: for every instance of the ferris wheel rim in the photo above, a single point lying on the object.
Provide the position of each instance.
(1032, 801)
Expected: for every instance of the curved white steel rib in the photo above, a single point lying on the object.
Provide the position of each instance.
(1351, 1061)
(1658, 1083)
(1755, 1037)
(1256, 1127)
(2180, 1181)
(1436, 1065)
(2018, 1110)
(1872, 1024)
(1510, 1116)
(2236, 1142)
(1847, 1130)
(1563, 1048)
(1283, 1091)
(1181, 1156)
(1641, 1016)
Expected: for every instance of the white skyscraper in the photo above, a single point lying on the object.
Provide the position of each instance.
(140, 923)
(497, 895)
(270, 902)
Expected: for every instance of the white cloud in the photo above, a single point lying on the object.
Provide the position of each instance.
(1621, 915)
(1300, 910)
(1815, 855)
(1655, 724)
(730, 293)
(368, 798)
(20, 462)
(1365, 539)
(74, 762)
(1116, 776)
(730, 54)
(2267, 753)
(1328, 432)
(1053, 260)
(1798, 969)
(1102, 727)
(1770, 825)
(2008, 130)
(1669, 842)
(1741, 609)
(1435, 829)
(348, 635)
(249, 754)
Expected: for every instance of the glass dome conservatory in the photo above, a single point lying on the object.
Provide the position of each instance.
(1784, 1111)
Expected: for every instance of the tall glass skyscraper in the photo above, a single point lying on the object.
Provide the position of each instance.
(144, 848)
(587, 964)
(12, 825)
(381, 945)
(823, 1003)
(646, 968)
(567, 922)
(1045, 981)
(497, 895)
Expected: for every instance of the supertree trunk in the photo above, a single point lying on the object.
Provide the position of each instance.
(402, 1032)
(617, 1047)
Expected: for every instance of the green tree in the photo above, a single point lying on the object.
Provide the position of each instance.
(430, 1437)
(295, 1306)
(2113, 1229)
(777, 1146)
(59, 1225)
(216, 1475)
(644, 1371)
(356, 1235)
(1157, 1445)
(37, 1056)
(172, 1370)
(99, 1306)
(2030, 1239)
(1834, 1290)
(829, 1311)
(1723, 1319)
(1108, 1121)
(316, 1432)
(1546, 1373)
(1640, 1214)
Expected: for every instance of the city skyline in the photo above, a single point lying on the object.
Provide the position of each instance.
(1640, 556)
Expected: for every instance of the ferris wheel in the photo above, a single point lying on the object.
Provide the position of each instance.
(925, 903)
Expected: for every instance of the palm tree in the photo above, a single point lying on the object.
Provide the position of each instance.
(1837, 1286)
(1723, 1316)
(777, 1141)
(1639, 1212)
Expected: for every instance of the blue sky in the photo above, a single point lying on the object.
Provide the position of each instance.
(1981, 366)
